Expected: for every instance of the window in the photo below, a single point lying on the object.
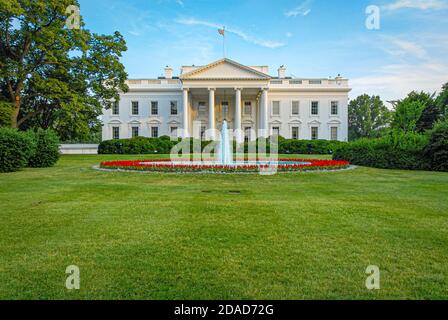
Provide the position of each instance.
(134, 108)
(275, 108)
(315, 82)
(247, 108)
(295, 81)
(203, 129)
(334, 108)
(295, 133)
(247, 136)
(314, 108)
(116, 108)
(115, 132)
(225, 109)
(154, 132)
(314, 133)
(295, 108)
(154, 108)
(202, 108)
(173, 105)
(275, 131)
(334, 133)
(135, 132)
(173, 131)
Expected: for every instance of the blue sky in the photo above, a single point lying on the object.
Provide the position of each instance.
(313, 38)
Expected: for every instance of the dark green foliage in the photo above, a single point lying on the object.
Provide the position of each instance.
(442, 101)
(416, 113)
(54, 76)
(367, 117)
(137, 145)
(396, 150)
(47, 149)
(163, 145)
(5, 114)
(437, 148)
(308, 146)
(15, 149)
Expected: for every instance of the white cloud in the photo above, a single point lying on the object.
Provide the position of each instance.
(395, 81)
(180, 2)
(416, 4)
(303, 9)
(289, 34)
(243, 35)
(406, 48)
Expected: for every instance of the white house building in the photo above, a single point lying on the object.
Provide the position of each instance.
(196, 103)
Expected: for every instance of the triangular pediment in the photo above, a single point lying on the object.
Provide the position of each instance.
(225, 69)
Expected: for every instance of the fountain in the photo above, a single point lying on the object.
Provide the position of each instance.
(225, 154)
(223, 160)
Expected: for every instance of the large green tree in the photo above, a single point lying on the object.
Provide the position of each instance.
(54, 75)
(442, 101)
(416, 113)
(367, 117)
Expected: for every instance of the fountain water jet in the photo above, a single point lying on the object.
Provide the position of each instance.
(225, 154)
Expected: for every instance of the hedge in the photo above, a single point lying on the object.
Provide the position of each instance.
(47, 149)
(396, 150)
(16, 148)
(437, 149)
(163, 145)
(139, 145)
(308, 146)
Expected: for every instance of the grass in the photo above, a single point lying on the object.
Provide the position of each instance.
(288, 236)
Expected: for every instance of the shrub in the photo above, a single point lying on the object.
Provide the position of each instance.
(308, 146)
(16, 148)
(397, 150)
(5, 114)
(163, 145)
(137, 145)
(47, 149)
(437, 149)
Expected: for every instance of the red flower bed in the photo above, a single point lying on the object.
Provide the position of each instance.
(169, 166)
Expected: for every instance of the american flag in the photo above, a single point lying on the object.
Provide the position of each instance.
(222, 32)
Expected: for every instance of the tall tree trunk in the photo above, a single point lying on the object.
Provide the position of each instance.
(15, 112)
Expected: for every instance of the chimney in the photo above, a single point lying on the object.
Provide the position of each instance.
(168, 72)
(282, 72)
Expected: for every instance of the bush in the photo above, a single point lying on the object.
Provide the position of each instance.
(16, 148)
(163, 145)
(397, 150)
(308, 146)
(437, 149)
(5, 114)
(47, 149)
(137, 145)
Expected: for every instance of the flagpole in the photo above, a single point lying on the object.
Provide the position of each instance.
(224, 42)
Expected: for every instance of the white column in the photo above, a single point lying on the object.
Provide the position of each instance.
(237, 122)
(186, 133)
(264, 113)
(211, 113)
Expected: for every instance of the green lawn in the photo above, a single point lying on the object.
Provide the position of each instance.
(288, 236)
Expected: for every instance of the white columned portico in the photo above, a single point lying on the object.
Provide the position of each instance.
(186, 132)
(264, 113)
(237, 127)
(211, 113)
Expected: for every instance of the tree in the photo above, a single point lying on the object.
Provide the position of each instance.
(53, 75)
(367, 117)
(442, 101)
(416, 113)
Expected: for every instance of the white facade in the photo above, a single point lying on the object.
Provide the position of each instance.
(247, 97)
